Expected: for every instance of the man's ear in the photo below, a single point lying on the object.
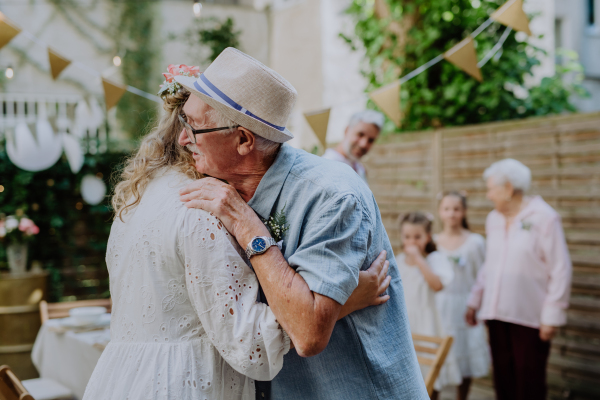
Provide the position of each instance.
(246, 141)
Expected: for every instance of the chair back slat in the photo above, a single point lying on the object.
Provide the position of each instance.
(11, 387)
(61, 310)
(439, 352)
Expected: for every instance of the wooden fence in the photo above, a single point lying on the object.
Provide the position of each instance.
(406, 172)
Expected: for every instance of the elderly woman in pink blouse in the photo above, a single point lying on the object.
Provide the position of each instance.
(522, 291)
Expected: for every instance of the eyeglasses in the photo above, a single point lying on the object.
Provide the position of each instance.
(191, 132)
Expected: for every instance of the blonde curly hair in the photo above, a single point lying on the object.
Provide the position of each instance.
(158, 149)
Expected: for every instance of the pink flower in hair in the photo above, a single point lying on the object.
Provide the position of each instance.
(170, 85)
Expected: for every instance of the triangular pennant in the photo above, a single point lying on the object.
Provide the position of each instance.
(511, 14)
(7, 31)
(318, 121)
(57, 63)
(463, 55)
(112, 93)
(387, 99)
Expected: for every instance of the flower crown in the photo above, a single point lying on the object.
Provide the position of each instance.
(170, 86)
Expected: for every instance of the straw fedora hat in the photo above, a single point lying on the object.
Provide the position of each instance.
(247, 92)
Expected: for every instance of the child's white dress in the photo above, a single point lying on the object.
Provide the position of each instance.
(470, 347)
(423, 314)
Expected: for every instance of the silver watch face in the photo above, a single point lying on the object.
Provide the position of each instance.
(258, 245)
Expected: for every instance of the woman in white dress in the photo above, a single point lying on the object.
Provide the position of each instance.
(185, 322)
(424, 272)
(466, 252)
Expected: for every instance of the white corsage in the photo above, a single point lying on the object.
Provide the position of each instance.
(277, 226)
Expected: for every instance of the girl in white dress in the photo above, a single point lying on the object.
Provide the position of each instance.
(466, 252)
(424, 272)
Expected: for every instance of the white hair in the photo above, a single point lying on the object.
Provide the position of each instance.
(512, 171)
(368, 117)
(265, 146)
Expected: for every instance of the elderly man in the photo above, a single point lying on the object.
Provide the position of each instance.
(334, 231)
(360, 134)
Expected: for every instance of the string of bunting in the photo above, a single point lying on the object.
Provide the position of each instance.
(462, 55)
(58, 63)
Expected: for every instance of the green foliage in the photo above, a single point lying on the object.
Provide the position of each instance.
(213, 34)
(277, 224)
(444, 95)
(139, 47)
(73, 235)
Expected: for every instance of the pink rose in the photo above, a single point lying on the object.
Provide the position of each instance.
(34, 230)
(25, 224)
(168, 77)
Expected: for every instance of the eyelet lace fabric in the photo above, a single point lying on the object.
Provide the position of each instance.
(185, 323)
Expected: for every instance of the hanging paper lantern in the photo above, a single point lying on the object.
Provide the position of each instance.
(31, 155)
(73, 151)
(93, 189)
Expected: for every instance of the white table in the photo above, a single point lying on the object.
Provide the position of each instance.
(70, 357)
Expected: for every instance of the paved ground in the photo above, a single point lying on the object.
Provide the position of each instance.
(477, 393)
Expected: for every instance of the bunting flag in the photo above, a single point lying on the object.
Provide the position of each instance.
(57, 63)
(387, 99)
(318, 121)
(7, 31)
(112, 93)
(463, 55)
(512, 15)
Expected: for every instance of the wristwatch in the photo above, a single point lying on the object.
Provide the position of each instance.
(259, 244)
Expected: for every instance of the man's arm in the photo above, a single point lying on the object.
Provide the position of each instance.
(306, 316)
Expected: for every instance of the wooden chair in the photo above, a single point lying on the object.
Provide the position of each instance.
(61, 310)
(11, 387)
(437, 355)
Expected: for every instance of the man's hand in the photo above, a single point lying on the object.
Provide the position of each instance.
(470, 316)
(372, 283)
(221, 199)
(547, 332)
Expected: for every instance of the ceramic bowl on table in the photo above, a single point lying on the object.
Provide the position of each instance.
(87, 315)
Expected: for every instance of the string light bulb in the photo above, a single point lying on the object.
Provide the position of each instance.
(197, 8)
(117, 61)
(9, 73)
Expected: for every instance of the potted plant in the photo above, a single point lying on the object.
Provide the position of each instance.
(16, 231)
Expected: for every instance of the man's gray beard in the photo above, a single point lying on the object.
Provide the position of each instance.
(349, 155)
(193, 148)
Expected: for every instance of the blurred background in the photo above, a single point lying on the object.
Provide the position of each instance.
(61, 140)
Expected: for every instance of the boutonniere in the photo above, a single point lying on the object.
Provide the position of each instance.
(277, 226)
(526, 225)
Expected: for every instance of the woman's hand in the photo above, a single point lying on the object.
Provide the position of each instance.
(470, 316)
(413, 252)
(372, 283)
(547, 332)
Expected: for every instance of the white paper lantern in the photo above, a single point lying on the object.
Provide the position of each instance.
(82, 118)
(93, 189)
(73, 151)
(31, 155)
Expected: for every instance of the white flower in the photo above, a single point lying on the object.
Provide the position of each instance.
(11, 223)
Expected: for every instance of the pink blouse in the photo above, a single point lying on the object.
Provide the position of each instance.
(526, 278)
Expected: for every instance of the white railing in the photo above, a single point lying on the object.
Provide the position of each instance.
(60, 110)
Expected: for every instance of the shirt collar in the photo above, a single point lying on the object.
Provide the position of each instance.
(272, 182)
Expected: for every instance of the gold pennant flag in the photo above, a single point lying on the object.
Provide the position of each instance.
(112, 93)
(7, 31)
(318, 121)
(57, 63)
(463, 55)
(387, 99)
(511, 14)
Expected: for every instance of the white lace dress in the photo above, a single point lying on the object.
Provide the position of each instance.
(470, 346)
(423, 315)
(185, 322)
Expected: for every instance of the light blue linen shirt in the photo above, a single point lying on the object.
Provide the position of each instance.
(335, 230)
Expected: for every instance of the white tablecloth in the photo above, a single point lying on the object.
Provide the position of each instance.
(69, 358)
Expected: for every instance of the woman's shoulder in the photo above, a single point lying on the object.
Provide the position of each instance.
(476, 239)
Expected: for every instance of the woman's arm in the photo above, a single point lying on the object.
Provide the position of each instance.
(372, 283)
(223, 291)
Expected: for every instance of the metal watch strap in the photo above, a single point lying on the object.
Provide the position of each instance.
(270, 242)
